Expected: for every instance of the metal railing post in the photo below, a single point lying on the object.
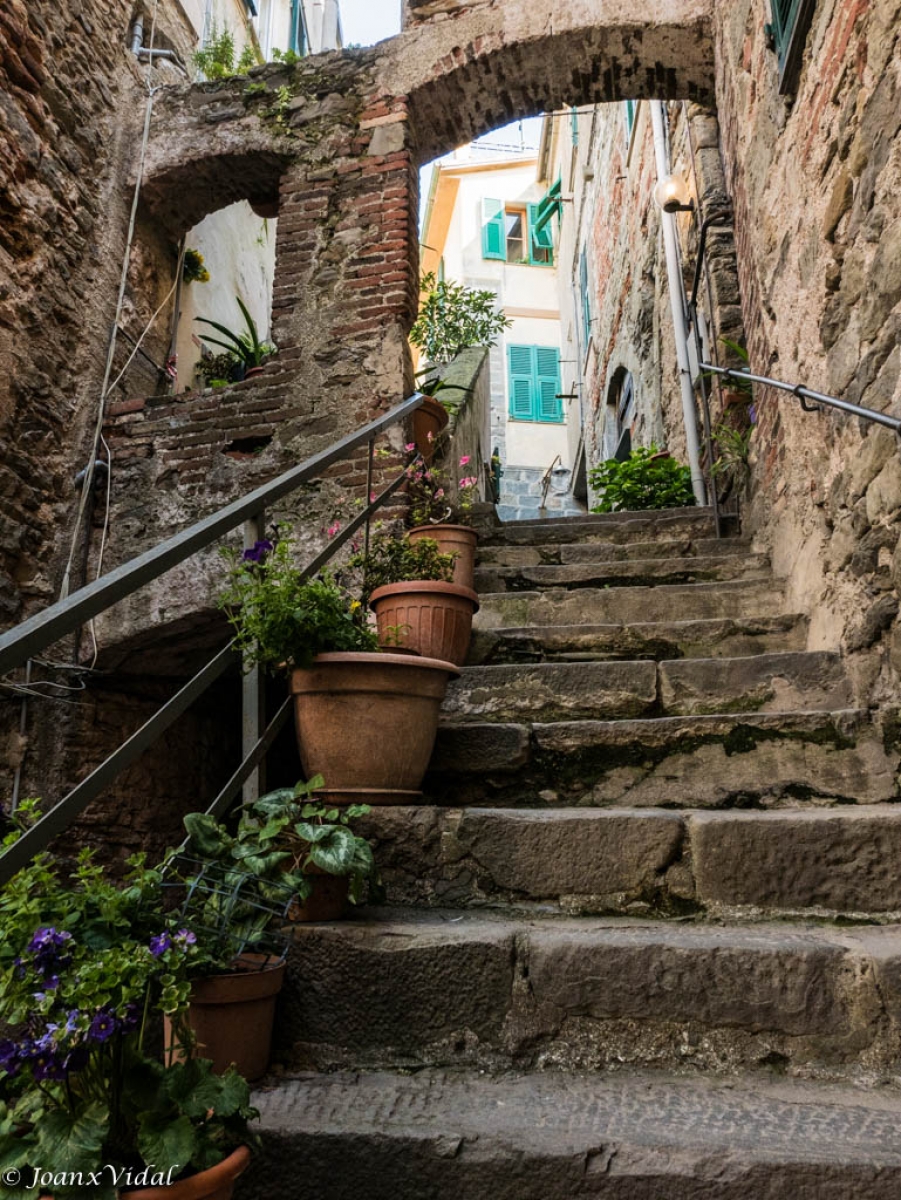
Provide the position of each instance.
(369, 473)
(253, 698)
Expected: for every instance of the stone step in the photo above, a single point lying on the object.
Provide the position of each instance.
(713, 638)
(465, 1135)
(809, 680)
(554, 553)
(828, 861)
(616, 527)
(411, 988)
(648, 572)
(622, 605)
(732, 760)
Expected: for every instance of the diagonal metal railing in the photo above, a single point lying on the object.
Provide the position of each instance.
(24, 641)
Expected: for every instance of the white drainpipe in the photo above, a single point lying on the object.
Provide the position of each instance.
(677, 301)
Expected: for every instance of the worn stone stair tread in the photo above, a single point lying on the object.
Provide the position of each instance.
(619, 605)
(726, 760)
(597, 551)
(630, 573)
(431, 987)
(631, 517)
(710, 637)
(786, 681)
(823, 861)
(468, 1135)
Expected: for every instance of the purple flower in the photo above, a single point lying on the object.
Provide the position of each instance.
(159, 945)
(186, 938)
(72, 1020)
(103, 1026)
(752, 413)
(46, 938)
(130, 1017)
(48, 1066)
(9, 1057)
(257, 552)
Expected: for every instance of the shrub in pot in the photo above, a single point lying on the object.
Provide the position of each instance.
(86, 1107)
(408, 584)
(318, 633)
(432, 516)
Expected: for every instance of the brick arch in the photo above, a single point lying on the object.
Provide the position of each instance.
(464, 77)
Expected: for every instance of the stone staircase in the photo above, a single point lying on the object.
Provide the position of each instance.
(520, 497)
(640, 943)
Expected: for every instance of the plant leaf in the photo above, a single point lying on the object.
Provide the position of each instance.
(72, 1143)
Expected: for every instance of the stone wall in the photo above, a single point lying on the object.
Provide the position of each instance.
(815, 179)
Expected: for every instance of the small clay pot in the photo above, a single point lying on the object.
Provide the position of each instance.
(435, 617)
(215, 1183)
(453, 539)
(326, 901)
(367, 723)
(430, 418)
(232, 1016)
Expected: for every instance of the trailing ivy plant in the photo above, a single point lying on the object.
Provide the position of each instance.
(452, 317)
(645, 480)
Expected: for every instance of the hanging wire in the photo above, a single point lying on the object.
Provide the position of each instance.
(88, 481)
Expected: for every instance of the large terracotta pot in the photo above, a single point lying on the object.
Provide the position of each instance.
(432, 617)
(430, 418)
(367, 723)
(215, 1183)
(232, 1016)
(453, 539)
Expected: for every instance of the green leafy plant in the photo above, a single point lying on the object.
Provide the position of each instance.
(85, 964)
(289, 57)
(193, 269)
(645, 480)
(280, 619)
(732, 464)
(397, 560)
(429, 496)
(244, 346)
(218, 370)
(312, 835)
(452, 317)
(217, 58)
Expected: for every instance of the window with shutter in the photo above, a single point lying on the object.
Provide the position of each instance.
(547, 374)
(535, 383)
(541, 240)
(494, 242)
(791, 25)
(586, 300)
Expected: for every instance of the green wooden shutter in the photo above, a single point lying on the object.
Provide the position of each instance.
(521, 378)
(540, 239)
(586, 301)
(493, 236)
(547, 379)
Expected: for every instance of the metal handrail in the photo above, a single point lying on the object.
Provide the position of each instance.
(546, 482)
(46, 627)
(67, 615)
(805, 395)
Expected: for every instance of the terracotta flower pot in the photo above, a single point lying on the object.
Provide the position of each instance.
(367, 723)
(453, 539)
(215, 1183)
(430, 418)
(435, 617)
(232, 1016)
(327, 899)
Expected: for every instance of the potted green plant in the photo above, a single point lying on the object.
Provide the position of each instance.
(86, 1106)
(335, 863)
(409, 585)
(245, 346)
(432, 515)
(315, 631)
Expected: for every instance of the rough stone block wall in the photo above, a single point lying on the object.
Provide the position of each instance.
(816, 180)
